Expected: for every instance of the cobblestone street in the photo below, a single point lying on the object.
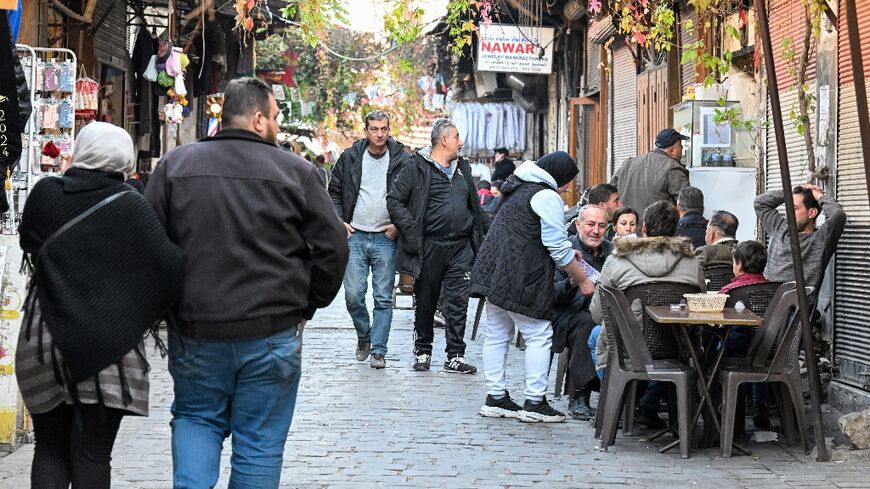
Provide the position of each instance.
(359, 427)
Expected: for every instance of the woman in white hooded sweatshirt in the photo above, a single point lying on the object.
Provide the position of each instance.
(514, 273)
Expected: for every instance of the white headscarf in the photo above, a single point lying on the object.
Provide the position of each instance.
(104, 147)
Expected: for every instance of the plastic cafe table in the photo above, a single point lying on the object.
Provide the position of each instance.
(686, 320)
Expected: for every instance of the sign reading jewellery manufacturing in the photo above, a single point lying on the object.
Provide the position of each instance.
(515, 49)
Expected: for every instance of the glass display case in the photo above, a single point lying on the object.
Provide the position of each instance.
(712, 144)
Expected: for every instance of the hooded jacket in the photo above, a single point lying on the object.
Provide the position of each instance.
(512, 270)
(347, 174)
(646, 260)
(408, 203)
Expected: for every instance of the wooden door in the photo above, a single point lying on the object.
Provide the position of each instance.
(585, 145)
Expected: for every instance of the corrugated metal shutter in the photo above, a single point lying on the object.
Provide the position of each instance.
(687, 70)
(852, 280)
(593, 67)
(797, 152)
(787, 20)
(110, 41)
(624, 76)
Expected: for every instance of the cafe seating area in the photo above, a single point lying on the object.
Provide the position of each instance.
(653, 335)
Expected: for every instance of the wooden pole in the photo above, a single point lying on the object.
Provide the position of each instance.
(860, 85)
(803, 304)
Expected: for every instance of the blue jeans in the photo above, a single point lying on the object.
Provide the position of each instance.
(375, 252)
(593, 344)
(244, 388)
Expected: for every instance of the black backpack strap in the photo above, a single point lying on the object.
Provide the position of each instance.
(79, 218)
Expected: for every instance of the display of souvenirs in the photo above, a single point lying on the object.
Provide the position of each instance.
(87, 101)
(166, 68)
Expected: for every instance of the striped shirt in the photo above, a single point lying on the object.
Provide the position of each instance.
(42, 393)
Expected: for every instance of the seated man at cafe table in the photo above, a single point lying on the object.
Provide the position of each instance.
(748, 262)
(817, 243)
(720, 238)
(657, 257)
(572, 322)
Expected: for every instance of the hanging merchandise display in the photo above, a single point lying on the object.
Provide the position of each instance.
(48, 137)
(167, 69)
(485, 127)
(87, 101)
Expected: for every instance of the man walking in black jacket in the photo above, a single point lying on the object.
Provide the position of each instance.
(434, 204)
(360, 181)
(263, 249)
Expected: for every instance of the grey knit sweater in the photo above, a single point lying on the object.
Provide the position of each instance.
(816, 247)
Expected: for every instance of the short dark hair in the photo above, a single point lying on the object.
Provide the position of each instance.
(691, 199)
(660, 219)
(243, 98)
(376, 115)
(601, 193)
(810, 201)
(503, 151)
(320, 160)
(725, 222)
(496, 184)
(483, 184)
(623, 211)
(751, 255)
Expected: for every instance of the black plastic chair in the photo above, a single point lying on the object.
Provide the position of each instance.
(773, 357)
(718, 276)
(632, 361)
(756, 297)
(661, 340)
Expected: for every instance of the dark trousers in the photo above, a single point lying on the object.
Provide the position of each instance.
(581, 368)
(449, 266)
(74, 445)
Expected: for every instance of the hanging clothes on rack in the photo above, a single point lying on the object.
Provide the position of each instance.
(486, 126)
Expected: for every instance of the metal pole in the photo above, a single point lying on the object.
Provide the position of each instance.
(860, 84)
(803, 303)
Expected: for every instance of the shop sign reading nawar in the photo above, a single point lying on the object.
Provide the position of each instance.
(515, 49)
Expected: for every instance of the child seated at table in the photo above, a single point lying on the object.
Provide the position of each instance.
(748, 261)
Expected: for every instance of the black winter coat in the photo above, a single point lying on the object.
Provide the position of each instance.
(693, 226)
(347, 173)
(262, 242)
(407, 202)
(569, 302)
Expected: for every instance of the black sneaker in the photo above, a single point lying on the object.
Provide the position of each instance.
(378, 361)
(540, 412)
(421, 362)
(458, 365)
(363, 348)
(500, 408)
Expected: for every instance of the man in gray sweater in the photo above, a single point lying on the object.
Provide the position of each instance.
(817, 243)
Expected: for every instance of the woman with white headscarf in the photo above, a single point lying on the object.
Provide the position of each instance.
(103, 274)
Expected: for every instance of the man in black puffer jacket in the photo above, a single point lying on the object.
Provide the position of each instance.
(434, 204)
(514, 272)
